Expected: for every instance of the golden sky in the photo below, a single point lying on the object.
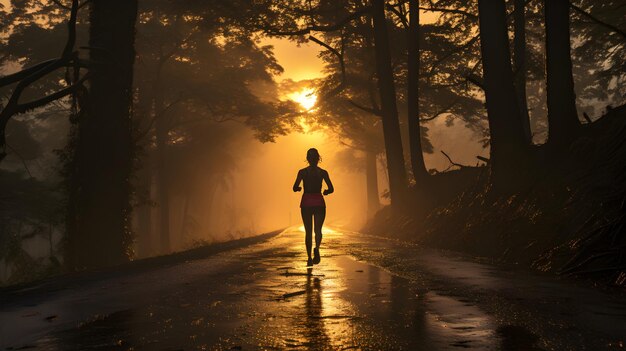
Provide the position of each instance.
(299, 61)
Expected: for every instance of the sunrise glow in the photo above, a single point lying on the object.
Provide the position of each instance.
(305, 97)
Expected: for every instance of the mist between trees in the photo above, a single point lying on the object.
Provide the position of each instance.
(135, 128)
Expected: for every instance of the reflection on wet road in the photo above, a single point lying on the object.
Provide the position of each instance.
(263, 297)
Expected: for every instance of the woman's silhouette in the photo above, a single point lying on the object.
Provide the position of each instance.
(312, 205)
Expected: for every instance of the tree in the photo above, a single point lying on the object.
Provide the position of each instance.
(389, 110)
(562, 117)
(187, 79)
(98, 218)
(348, 103)
(415, 134)
(596, 39)
(33, 75)
(508, 145)
(343, 15)
(102, 158)
(520, 65)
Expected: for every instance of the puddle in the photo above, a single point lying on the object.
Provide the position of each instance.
(346, 304)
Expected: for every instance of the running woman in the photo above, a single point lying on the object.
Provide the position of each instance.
(312, 205)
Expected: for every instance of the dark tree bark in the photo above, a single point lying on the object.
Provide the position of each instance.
(415, 138)
(562, 117)
(371, 180)
(99, 230)
(508, 146)
(387, 91)
(519, 64)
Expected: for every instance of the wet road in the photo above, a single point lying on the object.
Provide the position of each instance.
(367, 293)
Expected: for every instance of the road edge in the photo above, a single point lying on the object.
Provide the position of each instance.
(71, 279)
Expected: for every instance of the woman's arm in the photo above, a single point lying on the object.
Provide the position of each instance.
(296, 185)
(330, 189)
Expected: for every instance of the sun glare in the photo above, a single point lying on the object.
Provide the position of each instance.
(305, 97)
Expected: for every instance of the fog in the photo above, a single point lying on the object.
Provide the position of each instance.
(276, 174)
(223, 115)
(226, 184)
(257, 196)
(263, 183)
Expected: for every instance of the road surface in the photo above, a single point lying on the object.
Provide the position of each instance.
(367, 293)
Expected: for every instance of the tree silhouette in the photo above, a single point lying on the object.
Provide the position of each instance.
(562, 117)
(99, 213)
(508, 145)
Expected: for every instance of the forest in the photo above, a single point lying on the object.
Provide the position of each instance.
(124, 122)
(148, 151)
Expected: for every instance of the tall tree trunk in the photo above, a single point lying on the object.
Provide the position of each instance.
(415, 137)
(99, 229)
(163, 174)
(371, 180)
(562, 117)
(508, 146)
(387, 91)
(519, 64)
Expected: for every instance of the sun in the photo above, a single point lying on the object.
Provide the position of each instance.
(305, 97)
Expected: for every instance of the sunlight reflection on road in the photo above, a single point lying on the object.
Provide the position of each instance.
(328, 232)
(264, 297)
(345, 304)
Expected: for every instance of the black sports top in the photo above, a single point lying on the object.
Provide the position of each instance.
(312, 177)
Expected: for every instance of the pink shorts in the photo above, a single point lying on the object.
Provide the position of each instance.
(312, 200)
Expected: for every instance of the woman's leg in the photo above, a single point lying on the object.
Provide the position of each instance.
(319, 216)
(307, 220)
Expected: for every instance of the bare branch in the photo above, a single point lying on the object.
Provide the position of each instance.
(31, 75)
(484, 159)
(400, 15)
(342, 65)
(374, 111)
(440, 112)
(317, 28)
(71, 30)
(452, 162)
(17, 76)
(24, 83)
(21, 108)
(446, 10)
(476, 80)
